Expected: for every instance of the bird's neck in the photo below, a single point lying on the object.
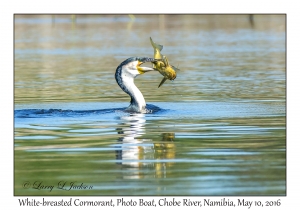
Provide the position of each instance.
(137, 103)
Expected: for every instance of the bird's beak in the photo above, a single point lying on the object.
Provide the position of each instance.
(143, 69)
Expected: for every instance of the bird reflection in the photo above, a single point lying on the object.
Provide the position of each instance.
(140, 157)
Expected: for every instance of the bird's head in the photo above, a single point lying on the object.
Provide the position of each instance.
(132, 66)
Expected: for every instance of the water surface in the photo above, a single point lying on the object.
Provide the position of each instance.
(218, 129)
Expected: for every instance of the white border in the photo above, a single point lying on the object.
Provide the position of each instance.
(187, 6)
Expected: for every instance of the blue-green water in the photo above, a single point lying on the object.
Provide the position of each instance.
(218, 129)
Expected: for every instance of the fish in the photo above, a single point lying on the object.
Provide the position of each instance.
(167, 71)
(162, 64)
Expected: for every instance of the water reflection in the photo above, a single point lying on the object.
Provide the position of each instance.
(141, 157)
(227, 106)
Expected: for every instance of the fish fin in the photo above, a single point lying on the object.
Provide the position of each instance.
(155, 45)
(166, 61)
(162, 82)
(175, 68)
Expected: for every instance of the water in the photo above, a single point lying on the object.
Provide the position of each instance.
(218, 129)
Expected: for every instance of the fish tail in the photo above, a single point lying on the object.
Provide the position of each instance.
(156, 46)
